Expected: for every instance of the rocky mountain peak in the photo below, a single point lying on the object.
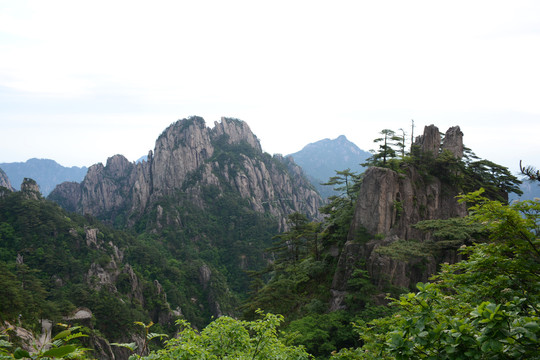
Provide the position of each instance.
(182, 148)
(237, 132)
(188, 156)
(453, 141)
(118, 166)
(320, 160)
(430, 141)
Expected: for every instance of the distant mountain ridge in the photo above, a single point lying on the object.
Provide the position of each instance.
(320, 160)
(531, 190)
(47, 173)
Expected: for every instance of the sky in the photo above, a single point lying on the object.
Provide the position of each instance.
(81, 81)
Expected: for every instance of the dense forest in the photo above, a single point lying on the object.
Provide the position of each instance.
(484, 306)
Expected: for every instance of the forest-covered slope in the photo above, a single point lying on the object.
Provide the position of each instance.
(190, 239)
(195, 219)
(54, 263)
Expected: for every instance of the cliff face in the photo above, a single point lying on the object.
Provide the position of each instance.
(209, 196)
(4, 181)
(189, 155)
(388, 205)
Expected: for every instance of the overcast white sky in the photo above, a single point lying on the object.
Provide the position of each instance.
(83, 80)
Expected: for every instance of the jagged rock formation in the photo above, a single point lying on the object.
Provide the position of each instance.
(189, 155)
(453, 141)
(388, 204)
(430, 141)
(4, 181)
(201, 191)
(30, 188)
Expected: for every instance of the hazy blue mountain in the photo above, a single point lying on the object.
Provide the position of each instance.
(47, 173)
(141, 159)
(531, 190)
(320, 160)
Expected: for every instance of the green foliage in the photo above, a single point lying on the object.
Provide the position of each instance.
(496, 180)
(44, 259)
(530, 172)
(346, 183)
(293, 245)
(340, 208)
(147, 336)
(387, 149)
(228, 338)
(322, 334)
(485, 307)
(406, 250)
(62, 346)
(452, 233)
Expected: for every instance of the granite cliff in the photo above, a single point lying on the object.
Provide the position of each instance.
(187, 156)
(389, 204)
(4, 181)
(206, 201)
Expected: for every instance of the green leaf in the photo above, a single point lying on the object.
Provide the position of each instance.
(532, 326)
(151, 336)
(75, 336)
(131, 346)
(62, 334)
(60, 351)
(20, 353)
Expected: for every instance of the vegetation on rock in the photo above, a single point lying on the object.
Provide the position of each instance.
(186, 259)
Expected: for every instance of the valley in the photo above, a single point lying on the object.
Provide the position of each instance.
(210, 227)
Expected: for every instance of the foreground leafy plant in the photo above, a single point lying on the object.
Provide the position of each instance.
(485, 307)
(148, 336)
(228, 338)
(60, 347)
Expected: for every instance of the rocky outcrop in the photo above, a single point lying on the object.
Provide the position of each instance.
(4, 181)
(389, 204)
(188, 155)
(104, 189)
(453, 141)
(30, 188)
(430, 141)
(69, 194)
(237, 131)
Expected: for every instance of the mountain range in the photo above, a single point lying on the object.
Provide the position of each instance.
(47, 173)
(210, 225)
(319, 160)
